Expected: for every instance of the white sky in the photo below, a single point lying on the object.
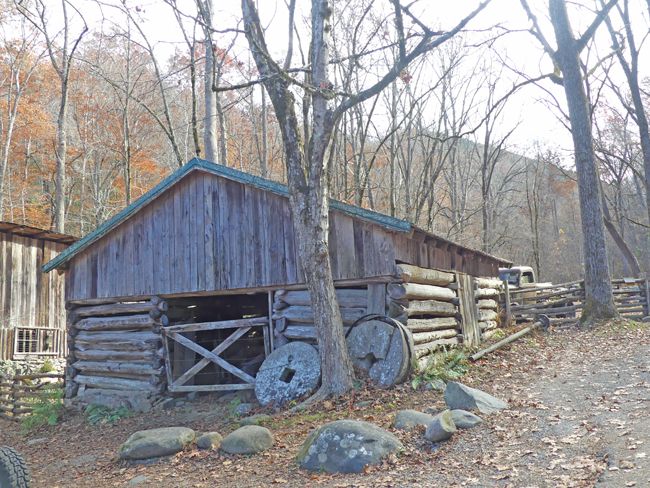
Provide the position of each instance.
(538, 122)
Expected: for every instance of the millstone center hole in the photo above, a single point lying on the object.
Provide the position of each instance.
(287, 375)
(370, 358)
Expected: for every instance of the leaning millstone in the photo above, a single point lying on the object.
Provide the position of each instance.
(464, 419)
(248, 439)
(153, 443)
(409, 419)
(381, 350)
(346, 446)
(290, 372)
(209, 440)
(441, 428)
(461, 397)
(258, 419)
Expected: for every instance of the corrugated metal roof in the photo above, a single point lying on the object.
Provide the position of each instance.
(391, 223)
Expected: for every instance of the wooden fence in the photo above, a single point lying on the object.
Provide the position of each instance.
(563, 303)
(18, 394)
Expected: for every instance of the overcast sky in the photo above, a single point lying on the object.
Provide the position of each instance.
(530, 107)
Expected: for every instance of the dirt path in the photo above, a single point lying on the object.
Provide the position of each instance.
(579, 416)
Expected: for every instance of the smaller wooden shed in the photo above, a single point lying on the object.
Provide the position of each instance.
(190, 287)
(32, 303)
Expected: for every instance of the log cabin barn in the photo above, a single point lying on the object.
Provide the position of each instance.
(32, 303)
(194, 284)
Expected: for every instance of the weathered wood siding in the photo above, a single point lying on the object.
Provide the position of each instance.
(29, 297)
(208, 233)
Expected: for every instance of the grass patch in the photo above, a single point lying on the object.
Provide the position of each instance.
(47, 408)
(443, 366)
(99, 414)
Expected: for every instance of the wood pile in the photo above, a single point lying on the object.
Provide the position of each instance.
(487, 294)
(426, 301)
(115, 350)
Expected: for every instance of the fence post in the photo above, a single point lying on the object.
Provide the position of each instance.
(14, 400)
(647, 297)
(506, 294)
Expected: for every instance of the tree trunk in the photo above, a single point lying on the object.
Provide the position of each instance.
(599, 303)
(60, 153)
(209, 95)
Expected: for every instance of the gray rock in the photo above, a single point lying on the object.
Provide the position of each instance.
(441, 428)
(244, 409)
(209, 440)
(409, 419)
(255, 419)
(464, 419)
(290, 372)
(242, 396)
(436, 385)
(146, 444)
(646, 319)
(381, 350)
(38, 440)
(192, 396)
(248, 439)
(168, 404)
(138, 480)
(346, 446)
(461, 397)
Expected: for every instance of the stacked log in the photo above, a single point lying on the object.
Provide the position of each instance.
(116, 351)
(426, 301)
(487, 295)
(293, 317)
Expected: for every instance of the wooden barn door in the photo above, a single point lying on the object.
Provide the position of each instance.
(175, 335)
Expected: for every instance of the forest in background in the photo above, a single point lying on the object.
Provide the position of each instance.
(436, 148)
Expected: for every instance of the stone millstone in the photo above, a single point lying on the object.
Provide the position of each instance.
(381, 350)
(409, 419)
(464, 419)
(209, 440)
(153, 443)
(346, 446)
(290, 372)
(248, 439)
(461, 397)
(441, 428)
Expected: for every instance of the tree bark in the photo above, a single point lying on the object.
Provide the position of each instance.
(599, 303)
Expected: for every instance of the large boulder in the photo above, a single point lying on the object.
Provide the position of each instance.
(290, 372)
(153, 443)
(441, 428)
(346, 446)
(462, 397)
(248, 439)
(464, 419)
(409, 419)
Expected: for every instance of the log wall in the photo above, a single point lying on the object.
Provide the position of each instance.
(116, 352)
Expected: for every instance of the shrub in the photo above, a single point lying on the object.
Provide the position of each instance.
(445, 366)
(47, 408)
(46, 367)
(98, 414)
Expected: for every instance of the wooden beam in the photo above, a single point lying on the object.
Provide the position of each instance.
(212, 357)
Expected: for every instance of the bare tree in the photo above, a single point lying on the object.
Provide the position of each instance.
(61, 58)
(599, 302)
(306, 160)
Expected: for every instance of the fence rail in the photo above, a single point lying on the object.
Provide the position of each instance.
(18, 393)
(563, 303)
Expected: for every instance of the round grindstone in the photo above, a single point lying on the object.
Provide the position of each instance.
(290, 372)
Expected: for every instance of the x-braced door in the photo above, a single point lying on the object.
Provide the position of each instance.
(175, 333)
